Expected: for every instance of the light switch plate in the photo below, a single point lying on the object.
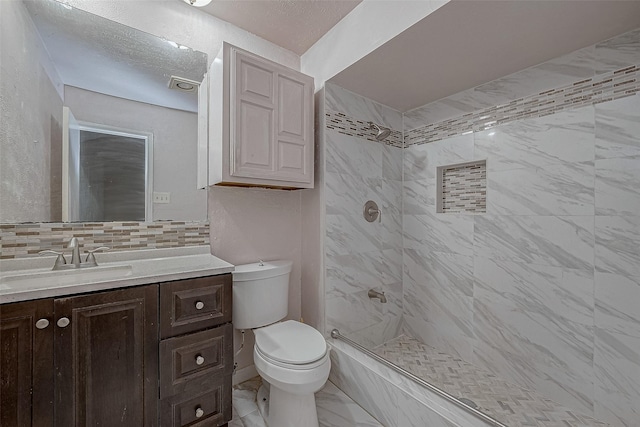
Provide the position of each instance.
(161, 197)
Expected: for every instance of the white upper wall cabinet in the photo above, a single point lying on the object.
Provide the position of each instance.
(260, 122)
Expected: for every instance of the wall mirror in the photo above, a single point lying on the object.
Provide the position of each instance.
(126, 147)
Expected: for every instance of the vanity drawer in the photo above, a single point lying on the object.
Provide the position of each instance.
(209, 408)
(192, 362)
(194, 304)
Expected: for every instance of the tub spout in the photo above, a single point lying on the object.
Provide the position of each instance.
(375, 294)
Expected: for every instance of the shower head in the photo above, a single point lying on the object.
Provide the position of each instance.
(383, 133)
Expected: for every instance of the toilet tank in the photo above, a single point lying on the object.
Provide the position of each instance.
(260, 293)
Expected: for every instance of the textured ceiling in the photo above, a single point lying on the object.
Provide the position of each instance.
(467, 43)
(293, 24)
(94, 53)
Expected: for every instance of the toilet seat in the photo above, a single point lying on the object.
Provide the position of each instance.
(291, 344)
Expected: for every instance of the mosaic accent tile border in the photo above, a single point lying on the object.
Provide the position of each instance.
(26, 240)
(346, 125)
(501, 400)
(463, 188)
(602, 88)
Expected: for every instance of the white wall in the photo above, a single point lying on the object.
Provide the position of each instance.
(31, 128)
(174, 146)
(249, 224)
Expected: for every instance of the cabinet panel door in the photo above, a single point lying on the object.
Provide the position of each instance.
(253, 124)
(294, 143)
(26, 364)
(107, 358)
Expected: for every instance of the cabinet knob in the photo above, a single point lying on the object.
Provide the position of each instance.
(199, 305)
(199, 360)
(199, 412)
(42, 323)
(63, 322)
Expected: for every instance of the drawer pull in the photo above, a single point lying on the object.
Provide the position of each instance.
(199, 412)
(42, 323)
(199, 360)
(63, 322)
(199, 305)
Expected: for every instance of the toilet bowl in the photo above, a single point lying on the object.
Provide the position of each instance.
(293, 358)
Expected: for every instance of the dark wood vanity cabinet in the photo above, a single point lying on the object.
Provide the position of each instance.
(106, 358)
(26, 364)
(196, 352)
(97, 359)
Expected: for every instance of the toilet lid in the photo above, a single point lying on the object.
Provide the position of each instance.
(291, 342)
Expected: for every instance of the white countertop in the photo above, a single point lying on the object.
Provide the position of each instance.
(32, 278)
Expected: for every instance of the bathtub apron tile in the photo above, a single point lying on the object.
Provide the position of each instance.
(413, 413)
(336, 409)
(374, 394)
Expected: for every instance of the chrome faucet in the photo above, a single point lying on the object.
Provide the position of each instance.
(76, 260)
(75, 254)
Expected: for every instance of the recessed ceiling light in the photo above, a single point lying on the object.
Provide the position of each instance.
(198, 3)
(185, 86)
(180, 83)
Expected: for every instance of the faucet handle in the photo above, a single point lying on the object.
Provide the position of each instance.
(60, 261)
(91, 258)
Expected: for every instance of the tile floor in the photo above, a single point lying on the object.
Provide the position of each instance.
(335, 409)
(501, 400)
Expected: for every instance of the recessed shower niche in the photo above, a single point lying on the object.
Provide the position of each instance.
(462, 188)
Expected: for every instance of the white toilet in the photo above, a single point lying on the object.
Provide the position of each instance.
(293, 358)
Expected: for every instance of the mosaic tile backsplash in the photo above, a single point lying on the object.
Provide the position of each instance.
(26, 240)
(361, 129)
(602, 88)
(464, 188)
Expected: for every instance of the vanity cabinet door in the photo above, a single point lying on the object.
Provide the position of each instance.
(26, 364)
(106, 358)
(261, 129)
(271, 121)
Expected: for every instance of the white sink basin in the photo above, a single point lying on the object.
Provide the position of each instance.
(32, 277)
(28, 279)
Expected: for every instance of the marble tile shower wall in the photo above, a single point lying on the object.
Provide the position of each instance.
(543, 289)
(360, 255)
(572, 77)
